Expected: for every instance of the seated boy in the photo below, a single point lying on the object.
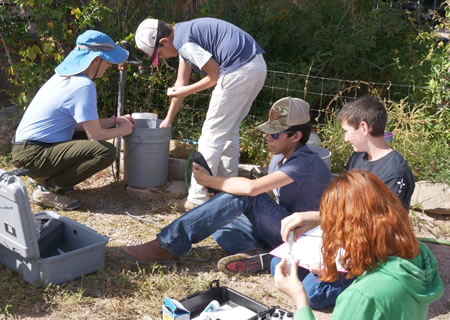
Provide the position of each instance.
(363, 121)
(245, 218)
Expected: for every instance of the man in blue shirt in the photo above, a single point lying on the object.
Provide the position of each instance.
(232, 61)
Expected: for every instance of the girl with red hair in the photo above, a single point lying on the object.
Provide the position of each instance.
(367, 225)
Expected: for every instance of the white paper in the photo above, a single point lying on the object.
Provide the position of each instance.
(307, 249)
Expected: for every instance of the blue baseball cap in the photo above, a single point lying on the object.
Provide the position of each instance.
(89, 45)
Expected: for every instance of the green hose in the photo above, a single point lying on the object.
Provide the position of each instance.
(432, 240)
(188, 162)
(186, 170)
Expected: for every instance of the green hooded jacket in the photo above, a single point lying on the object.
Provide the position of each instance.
(399, 289)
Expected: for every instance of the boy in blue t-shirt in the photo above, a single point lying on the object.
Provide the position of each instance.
(245, 218)
(232, 62)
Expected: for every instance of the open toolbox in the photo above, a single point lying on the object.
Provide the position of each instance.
(44, 247)
(197, 302)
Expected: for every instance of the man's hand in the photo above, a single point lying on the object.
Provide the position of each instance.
(299, 222)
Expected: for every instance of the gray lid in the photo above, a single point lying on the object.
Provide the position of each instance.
(17, 223)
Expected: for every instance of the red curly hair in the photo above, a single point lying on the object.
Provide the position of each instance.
(362, 216)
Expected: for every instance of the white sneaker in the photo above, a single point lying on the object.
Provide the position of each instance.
(48, 199)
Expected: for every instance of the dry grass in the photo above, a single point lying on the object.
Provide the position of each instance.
(120, 289)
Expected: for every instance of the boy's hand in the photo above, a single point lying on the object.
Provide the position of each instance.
(165, 123)
(209, 194)
(178, 92)
(200, 174)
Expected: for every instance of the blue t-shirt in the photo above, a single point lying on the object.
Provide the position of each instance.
(57, 108)
(311, 176)
(229, 45)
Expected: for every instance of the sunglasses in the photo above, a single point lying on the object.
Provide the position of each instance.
(275, 135)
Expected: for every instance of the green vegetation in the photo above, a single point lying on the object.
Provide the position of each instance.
(367, 40)
(361, 41)
(421, 139)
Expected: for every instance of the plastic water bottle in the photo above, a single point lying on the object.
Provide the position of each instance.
(314, 138)
(211, 307)
(288, 316)
(276, 315)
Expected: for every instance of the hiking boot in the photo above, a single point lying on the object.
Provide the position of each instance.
(245, 263)
(182, 204)
(49, 199)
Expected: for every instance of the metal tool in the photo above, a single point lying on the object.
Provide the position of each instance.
(123, 69)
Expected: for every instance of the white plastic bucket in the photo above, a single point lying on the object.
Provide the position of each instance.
(323, 153)
(145, 119)
(313, 139)
(146, 152)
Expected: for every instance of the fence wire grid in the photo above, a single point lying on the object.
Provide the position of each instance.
(323, 94)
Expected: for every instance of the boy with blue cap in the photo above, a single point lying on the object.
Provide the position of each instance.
(66, 104)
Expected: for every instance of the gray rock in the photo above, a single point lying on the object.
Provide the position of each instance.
(171, 190)
(251, 171)
(432, 197)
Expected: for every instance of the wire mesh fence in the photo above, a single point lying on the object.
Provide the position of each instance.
(323, 94)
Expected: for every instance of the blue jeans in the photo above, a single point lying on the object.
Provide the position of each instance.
(320, 294)
(237, 223)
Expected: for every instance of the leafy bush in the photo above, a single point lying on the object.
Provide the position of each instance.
(335, 38)
(422, 140)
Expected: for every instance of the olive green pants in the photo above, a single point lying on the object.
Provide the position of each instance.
(63, 164)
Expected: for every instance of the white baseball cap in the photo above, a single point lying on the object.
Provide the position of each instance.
(145, 38)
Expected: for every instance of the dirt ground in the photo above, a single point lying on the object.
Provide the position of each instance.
(427, 226)
(128, 219)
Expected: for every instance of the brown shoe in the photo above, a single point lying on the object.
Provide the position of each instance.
(147, 253)
(182, 204)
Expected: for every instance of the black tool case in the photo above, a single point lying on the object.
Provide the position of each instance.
(197, 302)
